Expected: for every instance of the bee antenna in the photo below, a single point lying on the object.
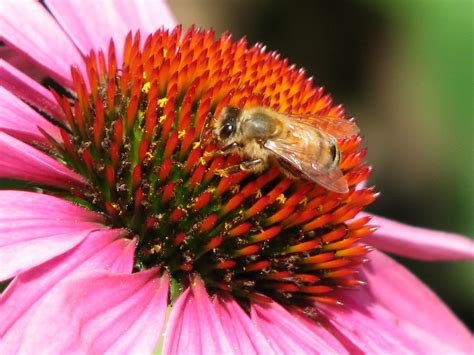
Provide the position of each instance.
(208, 118)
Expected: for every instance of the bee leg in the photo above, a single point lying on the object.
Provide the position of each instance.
(250, 164)
(244, 166)
(223, 151)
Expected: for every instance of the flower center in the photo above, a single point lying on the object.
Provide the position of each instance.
(134, 133)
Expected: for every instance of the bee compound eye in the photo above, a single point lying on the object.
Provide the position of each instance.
(227, 130)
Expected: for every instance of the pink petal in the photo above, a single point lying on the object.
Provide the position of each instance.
(20, 121)
(97, 312)
(415, 306)
(92, 24)
(370, 328)
(146, 16)
(419, 243)
(29, 90)
(29, 27)
(239, 329)
(105, 250)
(194, 327)
(22, 63)
(289, 334)
(395, 313)
(16, 205)
(39, 227)
(21, 161)
(315, 325)
(36, 242)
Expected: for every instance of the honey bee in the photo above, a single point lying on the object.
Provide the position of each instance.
(302, 146)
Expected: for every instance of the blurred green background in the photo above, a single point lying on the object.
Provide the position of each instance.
(404, 69)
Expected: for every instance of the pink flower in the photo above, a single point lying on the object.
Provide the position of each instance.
(125, 239)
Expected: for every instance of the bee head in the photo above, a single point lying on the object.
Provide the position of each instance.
(227, 123)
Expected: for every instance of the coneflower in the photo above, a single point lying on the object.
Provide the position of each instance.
(127, 238)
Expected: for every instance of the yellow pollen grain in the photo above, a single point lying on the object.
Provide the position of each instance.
(146, 87)
(144, 75)
(221, 172)
(162, 102)
(202, 161)
(181, 134)
(258, 194)
(165, 52)
(196, 145)
(304, 201)
(281, 198)
(156, 249)
(235, 189)
(162, 118)
(148, 156)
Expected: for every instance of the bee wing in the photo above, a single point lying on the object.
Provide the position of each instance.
(337, 127)
(302, 149)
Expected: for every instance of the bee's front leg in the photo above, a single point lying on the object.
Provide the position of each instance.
(223, 151)
(244, 166)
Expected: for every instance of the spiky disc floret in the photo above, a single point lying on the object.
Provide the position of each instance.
(134, 134)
